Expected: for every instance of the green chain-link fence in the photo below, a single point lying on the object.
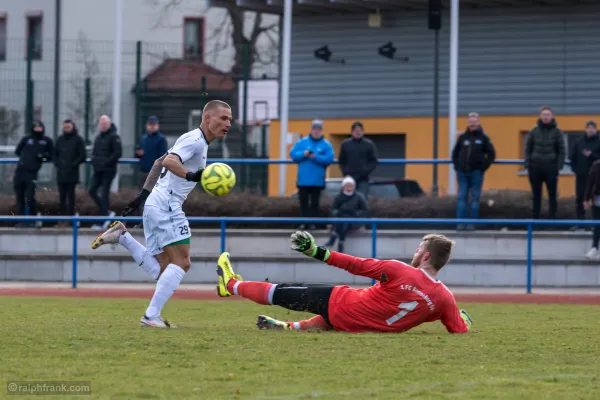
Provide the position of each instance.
(156, 79)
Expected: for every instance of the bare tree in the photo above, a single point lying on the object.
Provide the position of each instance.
(261, 39)
(100, 98)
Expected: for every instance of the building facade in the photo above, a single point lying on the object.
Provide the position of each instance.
(512, 60)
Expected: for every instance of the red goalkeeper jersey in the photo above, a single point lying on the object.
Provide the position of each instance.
(404, 298)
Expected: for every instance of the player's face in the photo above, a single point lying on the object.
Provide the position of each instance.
(418, 257)
(219, 122)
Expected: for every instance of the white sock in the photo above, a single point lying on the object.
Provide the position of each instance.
(141, 256)
(296, 326)
(165, 287)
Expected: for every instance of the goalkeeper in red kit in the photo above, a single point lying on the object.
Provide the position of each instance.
(406, 296)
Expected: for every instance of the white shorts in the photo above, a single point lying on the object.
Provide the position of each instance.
(162, 228)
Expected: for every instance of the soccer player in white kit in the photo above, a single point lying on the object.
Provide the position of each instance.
(166, 257)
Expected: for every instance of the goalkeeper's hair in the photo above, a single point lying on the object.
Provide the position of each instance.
(439, 248)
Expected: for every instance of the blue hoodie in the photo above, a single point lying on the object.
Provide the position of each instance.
(311, 172)
(154, 146)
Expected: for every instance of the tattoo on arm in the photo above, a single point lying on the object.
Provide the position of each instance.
(154, 174)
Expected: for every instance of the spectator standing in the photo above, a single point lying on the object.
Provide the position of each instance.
(472, 155)
(591, 199)
(69, 154)
(313, 154)
(32, 151)
(152, 145)
(105, 156)
(544, 158)
(349, 203)
(358, 158)
(585, 151)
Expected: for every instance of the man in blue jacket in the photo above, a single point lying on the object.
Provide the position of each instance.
(152, 146)
(313, 154)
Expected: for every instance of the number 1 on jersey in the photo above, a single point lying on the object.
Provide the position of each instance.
(406, 308)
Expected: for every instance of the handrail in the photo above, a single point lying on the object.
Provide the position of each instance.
(374, 222)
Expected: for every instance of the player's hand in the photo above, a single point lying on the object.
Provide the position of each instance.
(467, 318)
(194, 176)
(303, 242)
(136, 203)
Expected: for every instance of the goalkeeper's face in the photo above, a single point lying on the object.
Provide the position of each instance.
(420, 255)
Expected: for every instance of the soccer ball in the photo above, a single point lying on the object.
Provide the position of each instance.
(218, 179)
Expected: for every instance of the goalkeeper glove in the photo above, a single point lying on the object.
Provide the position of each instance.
(467, 318)
(304, 243)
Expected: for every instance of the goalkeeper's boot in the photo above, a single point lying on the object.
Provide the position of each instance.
(111, 235)
(226, 273)
(265, 322)
(467, 318)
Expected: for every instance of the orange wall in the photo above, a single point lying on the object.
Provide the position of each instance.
(505, 132)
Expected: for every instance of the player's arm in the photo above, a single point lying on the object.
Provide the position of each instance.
(174, 164)
(455, 320)
(303, 242)
(149, 183)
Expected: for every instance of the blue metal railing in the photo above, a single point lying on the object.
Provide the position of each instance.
(263, 161)
(374, 222)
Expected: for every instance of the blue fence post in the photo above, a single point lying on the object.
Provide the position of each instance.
(373, 245)
(75, 234)
(529, 256)
(223, 235)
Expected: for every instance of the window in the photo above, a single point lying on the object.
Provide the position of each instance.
(2, 37)
(34, 34)
(193, 38)
(570, 138)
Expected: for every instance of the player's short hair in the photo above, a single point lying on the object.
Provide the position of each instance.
(544, 108)
(439, 248)
(214, 104)
(473, 115)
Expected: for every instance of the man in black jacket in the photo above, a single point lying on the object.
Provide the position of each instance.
(32, 151)
(585, 151)
(358, 158)
(105, 155)
(69, 154)
(472, 156)
(544, 158)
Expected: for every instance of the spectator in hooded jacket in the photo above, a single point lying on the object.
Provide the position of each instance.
(349, 203)
(591, 200)
(358, 158)
(313, 154)
(544, 158)
(472, 156)
(152, 146)
(585, 151)
(105, 156)
(32, 150)
(69, 154)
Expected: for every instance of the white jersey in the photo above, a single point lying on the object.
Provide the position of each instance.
(170, 191)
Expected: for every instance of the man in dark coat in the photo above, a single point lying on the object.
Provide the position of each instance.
(105, 157)
(32, 150)
(544, 158)
(472, 155)
(585, 151)
(69, 154)
(358, 158)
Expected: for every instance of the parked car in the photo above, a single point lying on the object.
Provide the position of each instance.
(379, 188)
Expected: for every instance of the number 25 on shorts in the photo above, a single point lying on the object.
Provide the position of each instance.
(406, 308)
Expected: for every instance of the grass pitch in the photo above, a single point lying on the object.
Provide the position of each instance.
(517, 352)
